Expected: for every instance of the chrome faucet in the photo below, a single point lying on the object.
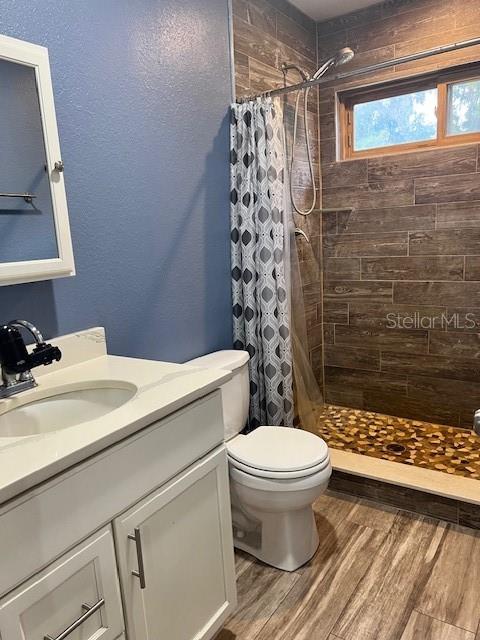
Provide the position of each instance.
(476, 422)
(16, 362)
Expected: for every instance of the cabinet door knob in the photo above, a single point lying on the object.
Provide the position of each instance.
(89, 611)
(140, 574)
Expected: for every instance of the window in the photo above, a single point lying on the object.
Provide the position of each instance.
(463, 107)
(430, 112)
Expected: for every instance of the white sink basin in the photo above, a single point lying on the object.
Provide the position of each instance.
(63, 408)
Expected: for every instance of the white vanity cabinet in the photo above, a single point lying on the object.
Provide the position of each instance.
(176, 556)
(147, 519)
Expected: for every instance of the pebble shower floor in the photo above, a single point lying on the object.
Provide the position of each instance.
(423, 444)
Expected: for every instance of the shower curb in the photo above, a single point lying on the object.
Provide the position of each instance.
(421, 491)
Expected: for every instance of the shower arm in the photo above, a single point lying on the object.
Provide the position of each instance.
(288, 66)
(364, 70)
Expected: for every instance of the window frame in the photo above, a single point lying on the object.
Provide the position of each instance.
(347, 100)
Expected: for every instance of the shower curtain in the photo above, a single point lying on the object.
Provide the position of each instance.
(259, 242)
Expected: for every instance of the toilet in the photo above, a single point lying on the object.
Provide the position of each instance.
(276, 473)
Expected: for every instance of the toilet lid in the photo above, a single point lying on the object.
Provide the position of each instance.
(280, 449)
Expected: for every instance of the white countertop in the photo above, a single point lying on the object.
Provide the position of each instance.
(162, 389)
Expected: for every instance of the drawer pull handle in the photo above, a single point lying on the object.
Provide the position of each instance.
(89, 611)
(140, 574)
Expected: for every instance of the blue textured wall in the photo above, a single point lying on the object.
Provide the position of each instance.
(141, 89)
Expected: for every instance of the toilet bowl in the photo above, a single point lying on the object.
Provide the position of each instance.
(276, 473)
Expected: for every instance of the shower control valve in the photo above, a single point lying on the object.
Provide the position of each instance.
(476, 422)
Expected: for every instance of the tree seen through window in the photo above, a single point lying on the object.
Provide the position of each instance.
(396, 120)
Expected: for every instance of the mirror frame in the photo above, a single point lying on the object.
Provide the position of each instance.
(35, 56)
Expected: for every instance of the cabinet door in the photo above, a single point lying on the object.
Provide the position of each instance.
(76, 597)
(175, 552)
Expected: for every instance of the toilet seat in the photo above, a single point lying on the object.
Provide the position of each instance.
(278, 453)
(281, 475)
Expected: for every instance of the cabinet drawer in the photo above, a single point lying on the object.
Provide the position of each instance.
(59, 598)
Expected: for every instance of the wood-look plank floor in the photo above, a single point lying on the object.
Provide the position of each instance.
(379, 574)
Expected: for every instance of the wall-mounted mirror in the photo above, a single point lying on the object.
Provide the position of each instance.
(35, 242)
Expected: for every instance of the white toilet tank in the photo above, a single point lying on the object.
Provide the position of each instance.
(235, 392)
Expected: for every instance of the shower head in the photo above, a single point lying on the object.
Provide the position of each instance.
(342, 57)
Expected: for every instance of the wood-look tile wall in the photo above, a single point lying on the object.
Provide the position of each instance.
(412, 245)
(267, 33)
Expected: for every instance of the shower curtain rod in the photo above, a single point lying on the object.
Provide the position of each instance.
(374, 67)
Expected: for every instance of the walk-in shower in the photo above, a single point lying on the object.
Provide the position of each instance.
(352, 424)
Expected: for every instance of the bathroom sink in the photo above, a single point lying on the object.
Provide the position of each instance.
(64, 408)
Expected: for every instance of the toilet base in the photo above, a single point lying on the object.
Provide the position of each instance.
(283, 540)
